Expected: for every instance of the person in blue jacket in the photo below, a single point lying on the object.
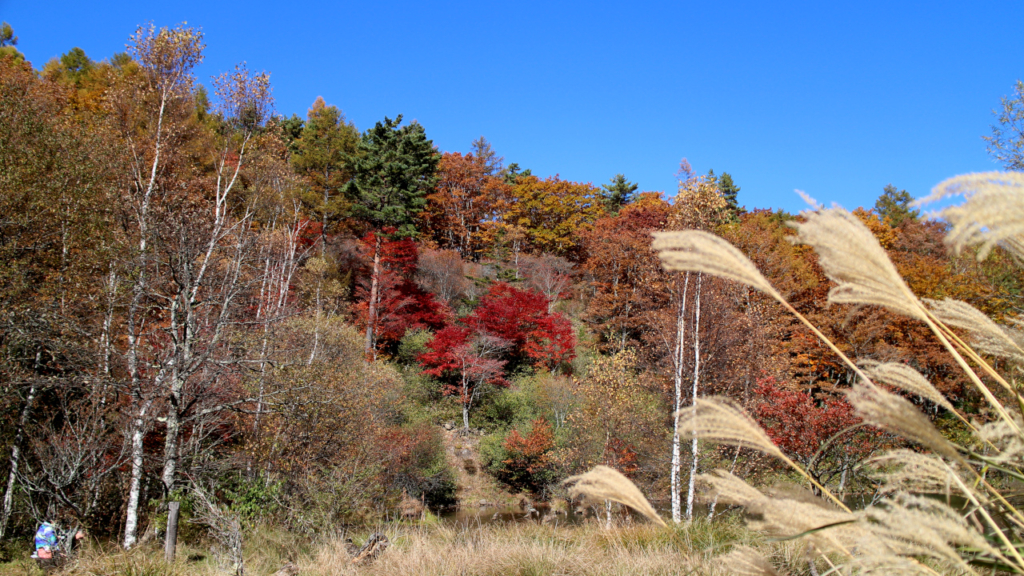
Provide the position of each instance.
(51, 541)
(46, 541)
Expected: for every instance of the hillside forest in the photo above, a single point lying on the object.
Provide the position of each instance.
(294, 315)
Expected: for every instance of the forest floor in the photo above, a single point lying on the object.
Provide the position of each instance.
(433, 548)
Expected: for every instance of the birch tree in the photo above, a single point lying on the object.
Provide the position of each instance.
(149, 112)
(699, 205)
(194, 246)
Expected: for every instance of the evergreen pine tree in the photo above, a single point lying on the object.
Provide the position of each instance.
(729, 191)
(392, 174)
(618, 193)
(893, 206)
(7, 37)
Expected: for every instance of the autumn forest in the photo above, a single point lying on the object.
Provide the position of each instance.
(300, 323)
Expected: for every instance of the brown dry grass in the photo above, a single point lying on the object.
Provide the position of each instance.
(447, 550)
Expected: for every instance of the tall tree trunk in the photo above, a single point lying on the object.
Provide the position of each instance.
(131, 523)
(696, 380)
(316, 324)
(171, 446)
(467, 399)
(19, 435)
(371, 320)
(677, 364)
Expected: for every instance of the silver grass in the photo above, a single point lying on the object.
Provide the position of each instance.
(1006, 438)
(896, 414)
(879, 540)
(731, 489)
(698, 251)
(918, 526)
(907, 379)
(722, 420)
(852, 258)
(785, 515)
(745, 561)
(604, 483)
(912, 471)
(814, 204)
(986, 335)
(992, 214)
(885, 563)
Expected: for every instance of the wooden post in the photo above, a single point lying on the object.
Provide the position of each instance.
(171, 538)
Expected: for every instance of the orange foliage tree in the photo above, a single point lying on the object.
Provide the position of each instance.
(552, 212)
(465, 201)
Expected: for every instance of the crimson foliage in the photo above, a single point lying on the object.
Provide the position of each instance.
(796, 421)
(528, 464)
(521, 317)
(816, 432)
(402, 305)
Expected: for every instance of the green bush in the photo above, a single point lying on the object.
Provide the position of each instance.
(412, 345)
(253, 499)
(506, 408)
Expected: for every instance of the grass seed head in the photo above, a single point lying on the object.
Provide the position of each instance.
(604, 483)
(986, 335)
(907, 379)
(852, 258)
(993, 214)
(722, 420)
(698, 251)
(896, 414)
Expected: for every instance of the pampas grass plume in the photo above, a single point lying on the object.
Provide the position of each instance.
(907, 379)
(896, 414)
(698, 251)
(722, 420)
(852, 258)
(992, 215)
(604, 483)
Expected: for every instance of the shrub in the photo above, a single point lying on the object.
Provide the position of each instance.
(524, 461)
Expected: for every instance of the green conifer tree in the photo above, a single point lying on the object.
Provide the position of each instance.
(618, 193)
(729, 191)
(324, 155)
(7, 37)
(893, 206)
(391, 177)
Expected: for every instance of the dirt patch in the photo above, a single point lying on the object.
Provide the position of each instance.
(476, 488)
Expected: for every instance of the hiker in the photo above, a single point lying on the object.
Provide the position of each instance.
(50, 543)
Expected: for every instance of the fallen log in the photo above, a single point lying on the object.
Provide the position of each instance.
(375, 545)
(288, 569)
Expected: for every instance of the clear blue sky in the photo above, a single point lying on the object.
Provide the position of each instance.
(837, 99)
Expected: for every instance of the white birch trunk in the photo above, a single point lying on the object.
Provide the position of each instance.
(696, 380)
(15, 459)
(131, 523)
(677, 363)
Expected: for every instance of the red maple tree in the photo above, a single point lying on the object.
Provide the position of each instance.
(521, 317)
(465, 360)
(818, 432)
(401, 304)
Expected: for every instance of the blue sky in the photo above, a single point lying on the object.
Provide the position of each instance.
(837, 99)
